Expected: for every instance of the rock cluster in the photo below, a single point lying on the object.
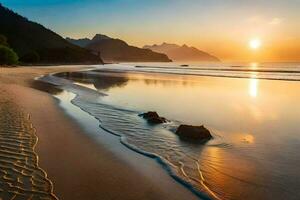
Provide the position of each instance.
(153, 118)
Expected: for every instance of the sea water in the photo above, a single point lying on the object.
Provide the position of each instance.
(251, 110)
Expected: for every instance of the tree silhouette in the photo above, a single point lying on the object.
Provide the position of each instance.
(7, 56)
(3, 40)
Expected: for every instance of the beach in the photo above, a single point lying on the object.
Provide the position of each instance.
(88, 141)
(149, 100)
(76, 165)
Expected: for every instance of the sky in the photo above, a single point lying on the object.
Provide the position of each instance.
(223, 28)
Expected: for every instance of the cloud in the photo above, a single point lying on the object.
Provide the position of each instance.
(264, 21)
(275, 21)
(254, 19)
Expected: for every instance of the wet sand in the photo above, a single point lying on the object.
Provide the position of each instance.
(20, 175)
(79, 167)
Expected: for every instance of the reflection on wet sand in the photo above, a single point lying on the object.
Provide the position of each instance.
(253, 87)
(46, 87)
(101, 81)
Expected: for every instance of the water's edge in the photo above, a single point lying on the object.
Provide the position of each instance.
(153, 156)
(122, 139)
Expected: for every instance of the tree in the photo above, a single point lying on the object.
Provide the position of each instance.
(3, 40)
(7, 56)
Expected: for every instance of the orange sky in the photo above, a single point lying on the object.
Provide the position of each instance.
(222, 28)
(280, 38)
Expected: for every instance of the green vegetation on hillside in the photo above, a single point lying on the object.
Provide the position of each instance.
(7, 56)
(3, 40)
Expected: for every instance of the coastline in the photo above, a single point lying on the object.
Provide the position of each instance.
(79, 167)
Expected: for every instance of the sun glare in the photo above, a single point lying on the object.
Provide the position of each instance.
(254, 43)
(254, 65)
(253, 87)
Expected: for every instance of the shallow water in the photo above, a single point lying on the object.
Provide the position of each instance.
(254, 123)
(272, 71)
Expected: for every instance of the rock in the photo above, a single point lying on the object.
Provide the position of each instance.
(153, 118)
(194, 133)
(184, 65)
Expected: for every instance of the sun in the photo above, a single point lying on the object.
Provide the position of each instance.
(255, 43)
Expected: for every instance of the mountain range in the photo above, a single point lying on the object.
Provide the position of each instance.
(182, 53)
(116, 50)
(28, 38)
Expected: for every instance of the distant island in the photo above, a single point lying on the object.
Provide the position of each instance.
(33, 43)
(116, 50)
(182, 53)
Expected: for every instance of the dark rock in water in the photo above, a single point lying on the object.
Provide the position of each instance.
(153, 118)
(184, 65)
(193, 133)
(149, 115)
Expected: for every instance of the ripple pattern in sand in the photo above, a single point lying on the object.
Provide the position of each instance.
(20, 176)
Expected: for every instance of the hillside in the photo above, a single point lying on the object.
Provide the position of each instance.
(182, 53)
(116, 50)
(27, 38)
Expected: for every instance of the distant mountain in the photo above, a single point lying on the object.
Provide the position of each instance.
(84, 42)
(116, 50)
(29, 38)
(80, 42)
(182, 53)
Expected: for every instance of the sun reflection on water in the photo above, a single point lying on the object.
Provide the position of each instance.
(248, 138)
(253, 87)
(254, 65)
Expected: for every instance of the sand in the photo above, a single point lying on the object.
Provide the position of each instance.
(78, 166)
(21, 177)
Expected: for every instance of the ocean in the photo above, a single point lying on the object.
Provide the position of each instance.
(252, 111)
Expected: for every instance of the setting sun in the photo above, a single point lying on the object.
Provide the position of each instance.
(254, 43)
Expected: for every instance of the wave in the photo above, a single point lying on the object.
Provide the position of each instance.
(228, 69)
(267, 73)
(156, 142)
(163, 162)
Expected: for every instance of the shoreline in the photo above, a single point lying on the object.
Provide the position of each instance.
(86, 169)
(122, 141)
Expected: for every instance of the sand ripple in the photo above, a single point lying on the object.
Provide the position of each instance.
(20, 176)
